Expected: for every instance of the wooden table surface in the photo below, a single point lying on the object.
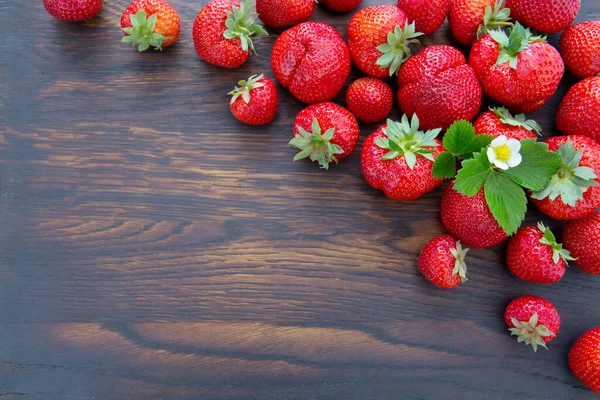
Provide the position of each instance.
(152, 247)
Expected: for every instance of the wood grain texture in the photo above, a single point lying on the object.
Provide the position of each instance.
(152, 247)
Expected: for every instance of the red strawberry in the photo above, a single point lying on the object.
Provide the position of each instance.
(223, 32)
(470, 219)
(499, 121)
(439, 87)
(325, 132)
(469, 19)
(150, 23)
(312, 61)
(584, 359)
(341, 5)
(582, 238)
(398, 158)
(428, 15)
(549, 16)
(442, 262)
(73, 10)
(370, 99)
(533, 320)
(521, 71)
(573, 192)
(254, 101)
(280, 13)
(580, 48)
(533, 255)
(579, 110)
(378, 38)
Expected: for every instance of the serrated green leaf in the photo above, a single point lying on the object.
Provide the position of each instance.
(473, 174)
(507, 201)
(444, 165)
(459, 137)
(537, 167)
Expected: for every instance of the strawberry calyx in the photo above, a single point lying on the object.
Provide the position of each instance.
(405, 139)
(516, 120)
(316, 145)
(571, 180)
(460, 267)
(557, 248)
(396, 50)
(496, 17)
(518, 39)
(240, 23)
(530, 332)
(245, 87)
(141, 33)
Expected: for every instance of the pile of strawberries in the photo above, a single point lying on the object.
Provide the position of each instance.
(496, 163)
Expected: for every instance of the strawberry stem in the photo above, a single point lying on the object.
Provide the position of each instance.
(241, 24)
(245, 87)
(396, 50)
(530, 332)
(141, 33)
(516, 120)
(316, 145)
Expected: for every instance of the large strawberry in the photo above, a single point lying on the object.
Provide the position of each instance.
(254, 101)
(584, 359)
(370, 99)
(580, 48)
(442, 262)
(280, 13)
(223, 32)
(549, 16)
(341, 5)
(533, 320)
(428, 15)
(582, 238)
(470, 19)
(520, 70)
(312, 61)
(573, 192)
(398, 157)
(579, 110)
(439, 87)
(378, 38)
(73, 10)
(150, 23)
(499, 121)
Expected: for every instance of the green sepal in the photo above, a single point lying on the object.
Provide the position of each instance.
(460, 267)
(507, 201)
(240, 23)
(558, 251)
(496, 17)
(316, 145)
(518, 39)
(530, 333)
(245, 87)
(516, 120)
(142, 34)
(396, 50)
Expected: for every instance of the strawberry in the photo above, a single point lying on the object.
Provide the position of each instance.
(73, 10)
(223, 32)
(325, 132)
(520, 70)
(341, 5)
(470, 219)
(439, 87)
(549, 16)
(312, 61)
(573, 192)
(148, 23)
(398, 157)
(428, 16)
(442, 262)
(579, 110)
(499, 121)
(370, 99)
(580, 48)
(582, 238)
(378, 38)
(533, 255)
(470, 19)
(533, 320)
(281, 13)
(254, 101)
(584, 359)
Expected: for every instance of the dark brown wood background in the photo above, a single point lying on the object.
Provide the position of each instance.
(152, 247)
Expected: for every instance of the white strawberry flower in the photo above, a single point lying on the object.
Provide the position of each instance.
(504, 153)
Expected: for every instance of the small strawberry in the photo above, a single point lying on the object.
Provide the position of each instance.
(584, 359)
(438, 86)
(281, 13)
(370, 99)
(533, 320)
(442, 262)
(398, 158)
(499, 121)
(223, 32)
(150, 23)
(470, 19)
(582, 238)
(341, 5)
(579, 110)
(312, 61)
(549, 16)
(428, 15)
(73, 10)
(580, 48)
(254, 101)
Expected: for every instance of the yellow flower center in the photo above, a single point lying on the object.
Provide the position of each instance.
(503, 153)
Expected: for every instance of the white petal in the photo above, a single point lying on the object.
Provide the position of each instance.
(491, 154)
(514, 145)
(515, 159)
(501, 164)
(499, 141)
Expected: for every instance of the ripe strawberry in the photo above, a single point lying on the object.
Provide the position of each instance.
(254, 101)
(398, 158)
(470, 219)
(223, 32)
(584, 359)
(370, 99)
(573, 192)
(549, 16)
(280, 13)
(470, 19)
(439, 87)
(378, 38)
(428, 15)
(499, 121)
(533, 255)
(442, 262)
(73, 10)
(325, 132)
(312, 61)
(582, 238)
(580, 48)
(150, 23)
(533, 320)
(341, 5)
(521, 71)
(579, 110)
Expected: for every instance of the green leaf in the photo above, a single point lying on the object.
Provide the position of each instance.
(479, 142)
(537, 167)
(444, 165)
(459, 137)
(507, 201)
(473, 174)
